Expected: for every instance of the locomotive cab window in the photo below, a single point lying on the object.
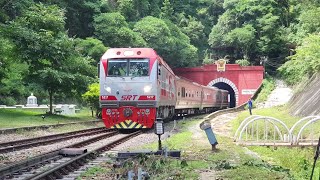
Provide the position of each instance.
(139, 67)
(117, 67)
(128, 67)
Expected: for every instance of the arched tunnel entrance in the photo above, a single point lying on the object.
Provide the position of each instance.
(225, 86)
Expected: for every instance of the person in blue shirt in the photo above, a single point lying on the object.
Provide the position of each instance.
(250, 106)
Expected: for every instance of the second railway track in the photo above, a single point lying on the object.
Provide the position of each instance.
(22, 169)
(43, 140)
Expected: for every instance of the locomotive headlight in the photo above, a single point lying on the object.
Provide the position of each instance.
(107, 88)
(147, 88)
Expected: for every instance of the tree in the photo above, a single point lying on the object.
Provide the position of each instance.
(92, 97)
(79, 15)
(127, 10)
(91, 47)
(144, 7)
(167, 39)
(11, 9)
(53, 60)
(167, 10)
(305, 62)
(242, 38)
(12, 73)
(112, 29)
(195, 31)
(307, 23)
(257, 22)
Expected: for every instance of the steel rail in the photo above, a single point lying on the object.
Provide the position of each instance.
(12, 143)
(29, 128)
(43, 158)
(47, 141)
(73, 164)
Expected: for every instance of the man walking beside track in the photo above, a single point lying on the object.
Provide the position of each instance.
(250, 105)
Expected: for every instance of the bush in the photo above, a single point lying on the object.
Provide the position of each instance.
(304, 63)
(268, 86)
(9, 101)
(243, 62)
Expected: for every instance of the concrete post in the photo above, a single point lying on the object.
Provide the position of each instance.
(211, 137)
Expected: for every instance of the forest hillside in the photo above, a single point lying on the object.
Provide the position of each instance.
(52, 48)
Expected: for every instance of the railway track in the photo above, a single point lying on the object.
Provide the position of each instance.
(30, 168)
(43, 140)
(43, 127)
(73, 164)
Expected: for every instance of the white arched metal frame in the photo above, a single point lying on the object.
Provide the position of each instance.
(230, 83)
(304, 126)
(262, 118)
(268, 119)
(302, 120)
(243, 122)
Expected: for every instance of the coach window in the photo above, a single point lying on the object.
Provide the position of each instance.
(183, 92)
(218, 97)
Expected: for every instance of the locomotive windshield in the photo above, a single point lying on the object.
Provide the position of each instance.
(128, 67)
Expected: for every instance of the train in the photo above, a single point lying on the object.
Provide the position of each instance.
(137, 87)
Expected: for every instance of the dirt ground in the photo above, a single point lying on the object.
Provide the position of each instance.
(221, 127)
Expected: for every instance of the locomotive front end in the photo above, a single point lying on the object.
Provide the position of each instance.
(127, 88)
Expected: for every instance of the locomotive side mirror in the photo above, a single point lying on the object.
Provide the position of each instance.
(98, 69)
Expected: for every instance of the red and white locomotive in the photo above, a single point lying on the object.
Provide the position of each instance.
(137, 86)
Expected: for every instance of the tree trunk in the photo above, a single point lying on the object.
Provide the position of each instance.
(50, 100)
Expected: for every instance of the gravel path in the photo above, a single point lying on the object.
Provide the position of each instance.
(146, 138)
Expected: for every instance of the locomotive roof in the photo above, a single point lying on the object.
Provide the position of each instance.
(129, 53)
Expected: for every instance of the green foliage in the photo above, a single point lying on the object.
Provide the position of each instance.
(92, 96)
(304, 63)
(126, 9)
(11, 9)
(35, 35)
(167, 10)
(9, 101)
(268, 85)
(91, 172)
(249, 29)
(12, 73)
(91, 47)
(242, 37)
(53, 61)
(242, 62)
(79, 15)
(112, 29)
(306, 24)
(168, 40)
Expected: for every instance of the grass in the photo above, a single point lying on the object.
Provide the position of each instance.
(91, 172)
(20, 118)
(229, 162)
(268, 86)
(278, 112)
(298, 160)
